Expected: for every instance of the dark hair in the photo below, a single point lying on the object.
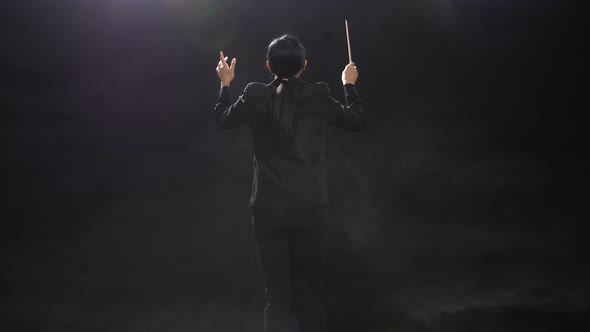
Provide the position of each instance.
(286, 57)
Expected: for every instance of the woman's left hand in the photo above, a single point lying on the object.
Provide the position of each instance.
(225, 71)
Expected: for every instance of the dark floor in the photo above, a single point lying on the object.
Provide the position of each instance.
(396, 277)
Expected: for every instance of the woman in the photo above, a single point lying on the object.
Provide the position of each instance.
(289, 196)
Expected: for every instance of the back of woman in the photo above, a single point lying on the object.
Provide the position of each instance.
(287, 117)
(289, 197)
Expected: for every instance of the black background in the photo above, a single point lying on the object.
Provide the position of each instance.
(459, 209)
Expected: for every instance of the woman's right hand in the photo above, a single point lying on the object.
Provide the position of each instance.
(349, 74)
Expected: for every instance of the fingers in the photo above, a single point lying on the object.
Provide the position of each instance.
(224, 70)
(222, 59)
(351, 65)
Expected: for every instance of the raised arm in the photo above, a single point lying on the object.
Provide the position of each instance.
(228, 115)
(351, 116)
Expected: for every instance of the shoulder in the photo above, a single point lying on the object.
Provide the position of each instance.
(316, 93)
(256, 91)
(255, 86)
(318, 88)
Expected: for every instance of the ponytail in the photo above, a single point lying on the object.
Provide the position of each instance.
(282, 108)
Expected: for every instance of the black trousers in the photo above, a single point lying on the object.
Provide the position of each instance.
(290, 244)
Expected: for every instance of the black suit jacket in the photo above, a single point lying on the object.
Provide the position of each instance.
(290, 174)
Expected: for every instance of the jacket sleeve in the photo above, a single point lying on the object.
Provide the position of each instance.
(227, 115)
(352, 116)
